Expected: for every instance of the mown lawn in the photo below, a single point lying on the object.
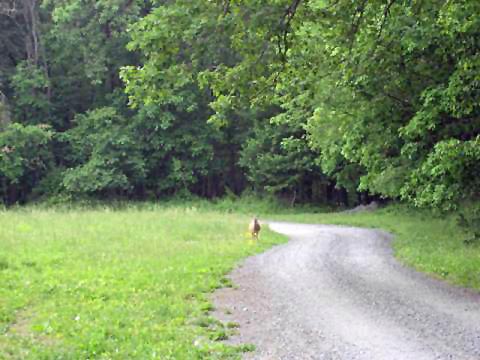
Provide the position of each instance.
(117, 284)
(430, 243)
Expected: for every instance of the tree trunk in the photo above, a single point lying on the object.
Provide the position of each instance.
(294, 198)
(33, 45)
(4, 111)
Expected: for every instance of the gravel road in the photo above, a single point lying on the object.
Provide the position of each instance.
(337, 293)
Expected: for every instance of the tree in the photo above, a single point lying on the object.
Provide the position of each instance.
(106, 154)
(359, 99)
(186, 150)
(388, 82)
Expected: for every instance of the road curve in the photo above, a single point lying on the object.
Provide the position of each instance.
(337, 292)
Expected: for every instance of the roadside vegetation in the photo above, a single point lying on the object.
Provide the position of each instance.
(433, 243)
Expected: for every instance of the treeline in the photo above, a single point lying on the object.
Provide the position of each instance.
(313, 100)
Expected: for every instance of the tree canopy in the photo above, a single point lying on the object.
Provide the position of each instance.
(310, 100)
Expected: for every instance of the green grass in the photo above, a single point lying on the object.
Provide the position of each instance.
(132, 281)
(129, 283)
(430, 243)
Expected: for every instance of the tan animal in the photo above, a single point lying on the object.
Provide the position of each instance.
(254, 228)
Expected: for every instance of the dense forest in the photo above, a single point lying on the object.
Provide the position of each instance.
(326, 101)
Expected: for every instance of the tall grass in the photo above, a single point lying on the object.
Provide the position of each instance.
(247, 204)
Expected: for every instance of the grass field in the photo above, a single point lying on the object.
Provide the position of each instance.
(130, 283)
(133, 282)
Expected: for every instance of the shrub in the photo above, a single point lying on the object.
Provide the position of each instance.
(106, 156)
(25, 157)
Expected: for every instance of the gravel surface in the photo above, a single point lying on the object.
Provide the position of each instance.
(337, 293)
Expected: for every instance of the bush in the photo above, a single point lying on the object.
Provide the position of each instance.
(106, 155)
(447, 177)
(469, 221)
(25, 157)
